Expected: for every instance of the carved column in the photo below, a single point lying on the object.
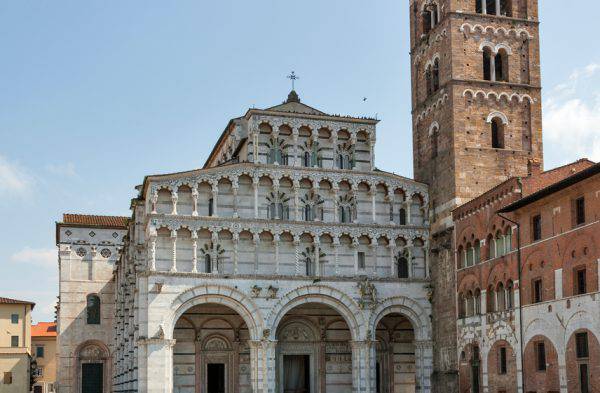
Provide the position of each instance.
(276, 192)
(317, 259)
(215, 196)
(424, 364)
(236, 241)
(335, 190)
(493, 66)
(354, 194)
(364, 360)
(234, 188)
(355, 248)
(174, 254)
(336, 246)
(262, 365)
(195, 201)
(392, 247)
(409, 258)
(152, 252)
(255, 188)
(373, 249)
(426, 257)
(276, 245)
(256, 241)
(316, 189)
(372, 148)
(483, 6)
(194, 252)
(296, 186)
(498, 12)
(408, 214)
(295, 161)
(297, 251)
(215, 256)
(174, 199)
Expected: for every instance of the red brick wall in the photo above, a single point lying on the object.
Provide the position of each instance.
(541, 381)
(593, 363)
(502, 382)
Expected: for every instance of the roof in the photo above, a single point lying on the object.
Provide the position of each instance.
(553, 188)
(44, 329)
(95, 221)
(5, 300)
(293, 105)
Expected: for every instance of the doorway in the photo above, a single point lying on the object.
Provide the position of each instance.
(91, 377)
(296, 374)
(215, 378)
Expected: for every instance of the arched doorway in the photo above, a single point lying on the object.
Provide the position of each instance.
(211, 354)
(93, 373)
(395, 365)
(313, 352)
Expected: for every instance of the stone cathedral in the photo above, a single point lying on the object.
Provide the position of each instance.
(289, 263)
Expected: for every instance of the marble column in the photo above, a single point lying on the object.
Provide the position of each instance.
(262, 365)
(174, 251)
(364, 360)
(174, 199)
(194, 252)
(195, 201)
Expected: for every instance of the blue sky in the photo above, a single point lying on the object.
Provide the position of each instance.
(94, 95)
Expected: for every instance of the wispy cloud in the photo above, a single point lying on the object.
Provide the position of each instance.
(572, 114)
(44, 257)
(14, 179)
(65, 170)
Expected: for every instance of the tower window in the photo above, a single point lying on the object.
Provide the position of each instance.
(402, 218)
(434, 142)
(501, 64)
(536, 228)
(435, 75)
(497, 133)
(429, 80)
(487, 64)
(93, 310)
(361, 260)
(211, 207)
(580, 211)
(207, 263)
(402, 267)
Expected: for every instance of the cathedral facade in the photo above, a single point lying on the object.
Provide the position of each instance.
(287, 264)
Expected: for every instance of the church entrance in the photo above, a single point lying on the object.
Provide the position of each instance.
(91, 377)
(395, 367)
(313, 352)
(296, 374)
(215, 374)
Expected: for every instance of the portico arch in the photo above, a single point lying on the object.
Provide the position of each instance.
(346, 307)
(216, 294)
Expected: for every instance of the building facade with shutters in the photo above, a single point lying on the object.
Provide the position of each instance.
(287, 263)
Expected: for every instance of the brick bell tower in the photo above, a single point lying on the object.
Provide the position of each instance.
(476, 110)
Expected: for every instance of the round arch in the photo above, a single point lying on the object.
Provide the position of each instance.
(215, 294)
(320, 294)
(407, 307)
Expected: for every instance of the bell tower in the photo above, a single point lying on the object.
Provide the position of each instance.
(476, 111)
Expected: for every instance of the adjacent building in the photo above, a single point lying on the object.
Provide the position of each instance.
(287, 263)
(15, 345)
(43, 344)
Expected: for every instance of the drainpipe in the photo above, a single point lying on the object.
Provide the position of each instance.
(520, 286)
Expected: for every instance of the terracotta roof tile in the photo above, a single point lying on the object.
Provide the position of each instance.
(44, 329)
(5, 300)
(96, 221)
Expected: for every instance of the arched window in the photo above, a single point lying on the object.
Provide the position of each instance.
(402, 214)
(402, 267)
(508, 240)
(491, 248)
(308, 213)
(497, 133)
(93, 310)
(345, 214)
(462, 305)
(477, 252)
(207, 263)
(435, 75)
(306, 159)
(510, 296)
(309, 271)
(477, 301)
(501, 65)
(499, 244)
(500, 297)
(461, 259)
(470, 258)
(505, 7)
(487, 63)
(434, 135)
(470, 304)
(427, 21)
(429, 80)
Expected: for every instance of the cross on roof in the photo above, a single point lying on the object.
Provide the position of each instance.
(293, 77)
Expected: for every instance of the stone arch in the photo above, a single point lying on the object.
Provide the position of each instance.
(499, 115)
(216, 294)
(433, 127)
(581, 320)
(407, 307)
(329, 296)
